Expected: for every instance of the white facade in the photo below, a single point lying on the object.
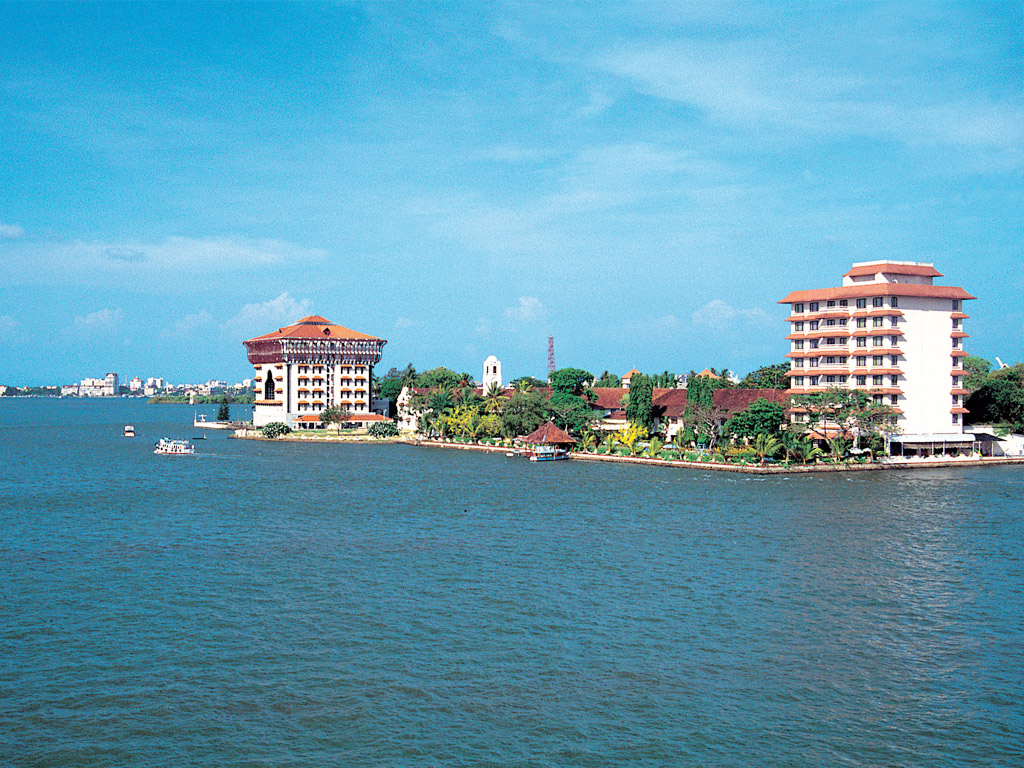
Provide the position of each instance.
(492, 373)
(888, 331)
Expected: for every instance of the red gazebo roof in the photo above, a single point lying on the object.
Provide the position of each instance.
(549, 434)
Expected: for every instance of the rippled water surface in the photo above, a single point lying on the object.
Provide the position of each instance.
(383, 605)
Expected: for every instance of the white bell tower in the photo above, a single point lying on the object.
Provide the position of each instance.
(492, 372)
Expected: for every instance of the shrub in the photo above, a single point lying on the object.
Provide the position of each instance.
(275, 429)
(383, 429)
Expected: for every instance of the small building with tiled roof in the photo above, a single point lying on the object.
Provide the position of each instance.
(549, 434)
(311, 365)
(628, 376)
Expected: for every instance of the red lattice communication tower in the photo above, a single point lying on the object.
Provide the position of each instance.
(551, 355)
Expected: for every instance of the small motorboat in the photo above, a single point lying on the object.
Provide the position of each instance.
(129, 430)
(168, 447)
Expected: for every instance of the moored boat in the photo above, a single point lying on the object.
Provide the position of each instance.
(168, 447)
(129, 430)
(547, 453)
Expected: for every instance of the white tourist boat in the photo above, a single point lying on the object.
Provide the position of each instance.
(168, 447)
(129, 430)
(547, 453)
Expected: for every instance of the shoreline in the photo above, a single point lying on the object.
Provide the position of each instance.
(796, 469)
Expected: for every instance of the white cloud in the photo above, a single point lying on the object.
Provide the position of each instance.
(101, 320)
(8, 328)
(720, 315)
(105, 262)
(257, 319)
(11, 231)
(598, 103)
(403, 322)
(527, 310)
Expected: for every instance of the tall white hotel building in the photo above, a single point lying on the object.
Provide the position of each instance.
(891, 332)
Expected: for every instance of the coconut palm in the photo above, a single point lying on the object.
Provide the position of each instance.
(588, 442)
(654, 448)
(609, 442)
(494, 398)
(766, 446)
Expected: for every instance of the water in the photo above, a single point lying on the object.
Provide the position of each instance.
(382, 605)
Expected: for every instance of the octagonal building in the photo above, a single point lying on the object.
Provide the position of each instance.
(313, 364)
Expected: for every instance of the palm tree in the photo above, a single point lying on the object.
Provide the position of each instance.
(494, 398)
(588, 442)
(609, 443)
(766, 445)
(654, 448)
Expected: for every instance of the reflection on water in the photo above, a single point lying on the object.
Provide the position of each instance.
(386, 605)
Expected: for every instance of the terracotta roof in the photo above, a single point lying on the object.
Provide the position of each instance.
(707, 372)
(608, 398)
(672, 403)
(629, 374)
(314, 327)
(865, 290)
(351, 417)
(889, 268)
(549, 434)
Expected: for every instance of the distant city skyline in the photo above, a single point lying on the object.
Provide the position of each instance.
(643, 181)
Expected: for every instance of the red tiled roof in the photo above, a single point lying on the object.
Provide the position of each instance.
(365, 417)
(672, 403)
(888, 268)
(608, 398)
(314, 327)
(878, 289)
(549, 434)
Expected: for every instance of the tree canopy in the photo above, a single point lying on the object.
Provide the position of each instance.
(762, 417)
(571, 381)
(767, 377)
(442, 377)
(640, 407)
(999, 398)
(609, 380)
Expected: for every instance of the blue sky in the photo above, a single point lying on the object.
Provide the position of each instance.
(642, 180)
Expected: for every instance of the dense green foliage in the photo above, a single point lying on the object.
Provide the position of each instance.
(640, 408)
(664, 380)
(572, 381)
(767, 377)
(851, 409)
(608, 380)
(762, 417)
(383, 429)
(976, 370)
(275, 429)
(526, 382)
(998, 398)
(523, 413)
(224, 412)
(441, 377)
(335, 414)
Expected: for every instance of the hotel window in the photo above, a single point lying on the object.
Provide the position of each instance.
(813, 380)
(798, 307)
(956, 418)
(814, 325)
(812, 362)
(830, 322)
(798, 344)
(892, 360)
(956, 362)
(955, 399)
(813, 306)
(862, 341)
(878, 341)
(878, 360)
(956, 305)
(894, 399)
(862, 322)
(842, 360)
(956, 381)
(814, 343)
(830, 303)
(798, 363)
(956, 343)
(877, 321)
(956, 322)
(830, 379)
(877, 301)
(798, 326)
(894, 321)
(862, 303)
(894, 381)
(830, 341)
(879, 399)
(862, 381)
(798, 381)
(842, 379)
(894, 302)
(843, 322)
(843, 303)
(830, 360)
(861, 361)
(877, 381)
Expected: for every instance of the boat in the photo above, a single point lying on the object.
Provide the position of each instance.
(168, 447)
(548, 453)
(129, 430)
